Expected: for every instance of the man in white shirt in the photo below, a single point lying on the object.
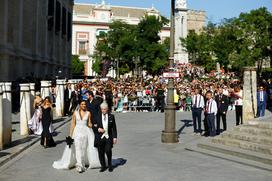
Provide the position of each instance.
(211, 111)
(197, 107)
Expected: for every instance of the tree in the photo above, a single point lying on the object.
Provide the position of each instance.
(235, 43)
(254, 33)
(153, 55)
(77, 65)
(118, 45)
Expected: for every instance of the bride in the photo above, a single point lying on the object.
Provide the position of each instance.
(82, 152)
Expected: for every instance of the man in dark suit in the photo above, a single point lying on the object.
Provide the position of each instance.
(92, 107)
(67, 98)
(261, 101)
(222, 102)
(75, 96)
(106, 136)
(109, 97)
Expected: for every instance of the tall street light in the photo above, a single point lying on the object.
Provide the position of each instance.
(169, 134)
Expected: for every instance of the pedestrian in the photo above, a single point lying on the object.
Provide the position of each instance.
(197, 107)
(47, 118)
(222, 102)
(238, 102)
(211, 111)
(261, 101)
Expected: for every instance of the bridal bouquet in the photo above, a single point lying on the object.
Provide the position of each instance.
(69, 141)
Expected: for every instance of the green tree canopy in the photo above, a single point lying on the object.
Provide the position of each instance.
(124, 45)
(234, 43)
(77, 66)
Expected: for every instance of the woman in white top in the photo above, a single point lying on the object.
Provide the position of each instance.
(83, 152)
(238, 102)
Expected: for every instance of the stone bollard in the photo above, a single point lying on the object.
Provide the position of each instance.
(7, 118)
(249, 94)
(45, 88)
(1, 120)
(60, 98)
(24, 108)
(32, 97)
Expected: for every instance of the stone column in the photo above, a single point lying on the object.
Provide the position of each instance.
(32, 96)
(1, 120)
(249, 94)
(7, 113)
(45, 88)
(60, 98)
(181, 18)
(24, 108)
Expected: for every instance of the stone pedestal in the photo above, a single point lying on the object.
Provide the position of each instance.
(25, 115)
(60, 98)
(45, 88)
(249, 94)
(1, 120)
(7, 113)
(32, 96)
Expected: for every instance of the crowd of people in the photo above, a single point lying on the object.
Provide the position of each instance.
(90, 101)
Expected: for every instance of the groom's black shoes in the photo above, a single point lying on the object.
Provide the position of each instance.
(103, 169)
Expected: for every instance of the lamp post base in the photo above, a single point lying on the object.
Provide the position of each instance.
(169, 137)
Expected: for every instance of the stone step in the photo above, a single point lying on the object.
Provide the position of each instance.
(238, 155)
(264, 140)
(260, 124)
(260, 148)
(254, 130)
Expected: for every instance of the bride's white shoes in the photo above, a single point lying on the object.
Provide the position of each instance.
(79, 169)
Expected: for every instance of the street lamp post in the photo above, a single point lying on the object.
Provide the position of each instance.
(169, 134)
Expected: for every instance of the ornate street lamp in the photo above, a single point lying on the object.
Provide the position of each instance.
(169, 134)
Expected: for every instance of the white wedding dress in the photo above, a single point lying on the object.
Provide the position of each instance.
(82, 152)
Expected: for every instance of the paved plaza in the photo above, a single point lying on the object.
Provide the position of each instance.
(143, 155)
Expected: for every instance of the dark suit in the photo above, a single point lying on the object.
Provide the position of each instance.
(67, 101)
(74, 100)
(222, 102)
(94, 108)
(109, 97)
(261, 103)
(105, 145)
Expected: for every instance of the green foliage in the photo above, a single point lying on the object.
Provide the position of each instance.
(153, 55)
(127, 43)
(77, 65)
(234, 43)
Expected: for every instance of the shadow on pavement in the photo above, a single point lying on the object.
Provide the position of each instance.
(4, 154)
(187, 123)
(22, 141)
(60, 142)
(118, 162)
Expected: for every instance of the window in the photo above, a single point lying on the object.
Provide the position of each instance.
(57, 18)
(63, 27)
(82, 47)
(69, 27)
(50, 15)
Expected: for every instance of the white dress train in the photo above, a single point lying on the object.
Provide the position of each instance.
(82, 152)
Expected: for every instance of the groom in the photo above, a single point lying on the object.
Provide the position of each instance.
(106, 136)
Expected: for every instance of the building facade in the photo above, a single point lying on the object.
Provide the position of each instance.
(35, 38)
(91, 19)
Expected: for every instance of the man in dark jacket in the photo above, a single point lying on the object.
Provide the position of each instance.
(105, 137)
(222, 102)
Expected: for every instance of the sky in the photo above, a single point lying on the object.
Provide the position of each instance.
(216, 10)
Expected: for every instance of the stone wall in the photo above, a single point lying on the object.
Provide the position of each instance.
(196, 20)
(27, 46)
